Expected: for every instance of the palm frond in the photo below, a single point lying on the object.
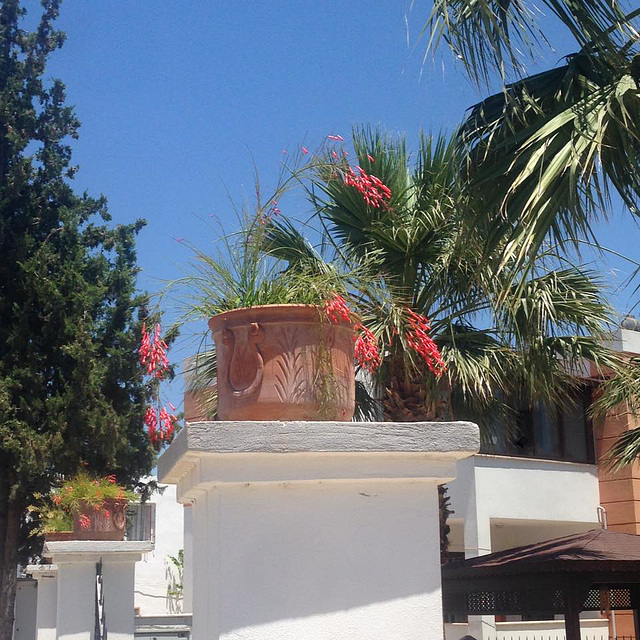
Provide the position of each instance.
(489, 36)
(541, 163)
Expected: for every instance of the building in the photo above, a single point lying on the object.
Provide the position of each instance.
(546, 481)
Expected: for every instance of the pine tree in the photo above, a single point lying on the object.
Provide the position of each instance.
(71, 389)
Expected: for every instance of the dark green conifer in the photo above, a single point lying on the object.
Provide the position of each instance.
(71, 389)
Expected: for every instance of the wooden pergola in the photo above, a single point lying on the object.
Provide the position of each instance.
(594, 571)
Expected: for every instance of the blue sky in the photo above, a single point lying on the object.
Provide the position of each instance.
(178, 99)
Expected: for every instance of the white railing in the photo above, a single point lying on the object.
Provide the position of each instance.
(591, 629)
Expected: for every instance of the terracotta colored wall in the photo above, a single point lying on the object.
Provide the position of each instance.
(619, 492)
(193, 405)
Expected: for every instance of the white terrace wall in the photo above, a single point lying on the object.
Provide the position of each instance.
(561, 497)
(538, 630)
(153, 572)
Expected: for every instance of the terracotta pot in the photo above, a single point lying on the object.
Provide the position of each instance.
(106, 523)
(283, 362)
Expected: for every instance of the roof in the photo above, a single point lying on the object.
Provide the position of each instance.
(595, 551)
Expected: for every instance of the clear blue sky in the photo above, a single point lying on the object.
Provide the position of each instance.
(178, 99)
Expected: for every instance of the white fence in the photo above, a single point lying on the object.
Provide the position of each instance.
(595, 629)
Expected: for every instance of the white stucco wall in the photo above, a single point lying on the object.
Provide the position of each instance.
(24, 625)
(321, 531)
(524, 497)
(152, 576)
(310, 561)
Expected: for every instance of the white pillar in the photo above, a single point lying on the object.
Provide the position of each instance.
(187, 573)
(321, 531)
(46, 602)
(477, 542)
(76, 586)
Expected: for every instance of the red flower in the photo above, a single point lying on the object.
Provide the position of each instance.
(366, 351)
(153, 355)
(56, 499)
(151, 422)
(112, 478)
(305, 150)
(374, 192)
(106, 513)
(337, 310)
(339, 138)
(145, 346)
(84, 521)
(166, 422)
(419, 340)
(370, 158)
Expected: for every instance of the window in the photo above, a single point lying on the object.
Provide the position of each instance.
(141, 521)
(551, 433)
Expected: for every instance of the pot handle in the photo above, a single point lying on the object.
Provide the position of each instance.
(255, 337)
(119, 518)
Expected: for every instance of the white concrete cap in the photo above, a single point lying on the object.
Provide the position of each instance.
(41, 570)
(209, 453)
(93, 550)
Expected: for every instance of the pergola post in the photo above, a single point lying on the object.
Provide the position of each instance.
(635, 605)
(572, 607)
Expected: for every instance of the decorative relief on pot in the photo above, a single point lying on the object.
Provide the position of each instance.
(107, 522)
(290, 381)
(246, 365)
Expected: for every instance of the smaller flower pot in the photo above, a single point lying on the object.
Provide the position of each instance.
(107, 522)
(59, 536)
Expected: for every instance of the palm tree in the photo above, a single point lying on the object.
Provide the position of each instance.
(543, 155)
(503, 333)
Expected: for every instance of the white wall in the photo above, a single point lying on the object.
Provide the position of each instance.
(152, 576)
(24, 625)
(305, 561)
(494, 492)
(591, 629)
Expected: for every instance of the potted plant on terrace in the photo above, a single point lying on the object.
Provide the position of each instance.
(85, 508)
(284, 337)
(287, 324)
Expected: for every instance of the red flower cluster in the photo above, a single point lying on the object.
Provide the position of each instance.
(367, 352)
(161, 427)
(112, 478)
(84, 521)
(337, 310)
(418, 339)
(153, 355)
(374, 191)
